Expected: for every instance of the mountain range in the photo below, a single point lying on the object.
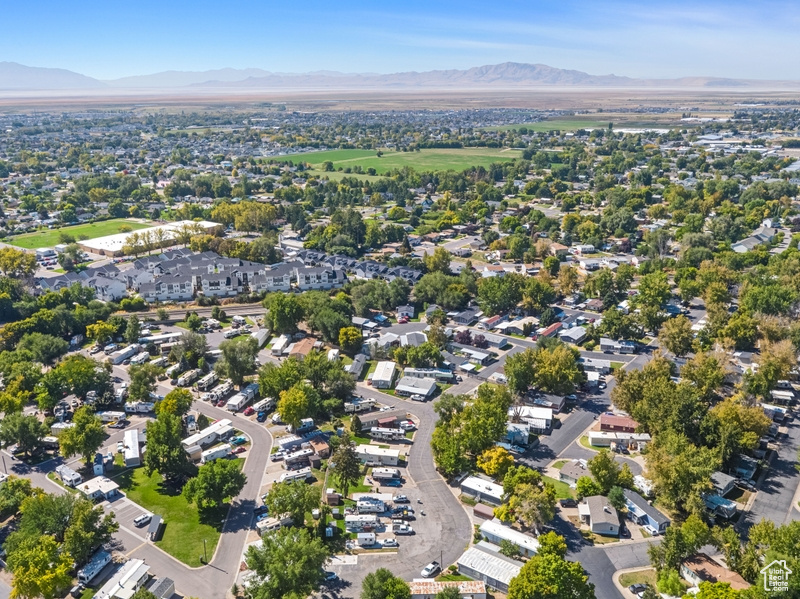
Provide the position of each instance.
(17, 77)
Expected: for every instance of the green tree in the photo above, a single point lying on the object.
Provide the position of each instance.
(551, 543)
(238, 358)
(89, 528)
(16, 264)
(350, 340)
(676, 335)
(193, 322)
(346, 464)
(143, 593)
(285, 312)
(100, 332)
(13, 492)
(533, 505)
(40, 568)
(549, 576)
(680, 470)
(520, 475)
(44, 348)
(587, 487)
(382, 584)
(495, 462)
(295, 404)
(165, 453)
(144, 378)
(25, 431)
(177, 402)
(438, 261)
(556, 369)
(215, 482)
(605, 470)
(616, 497)
(191, 348)
(295, 498)
(519, 371)
(133, 331)
(287, 564)
(85, 438)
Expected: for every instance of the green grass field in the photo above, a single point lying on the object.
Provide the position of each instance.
(50, 237)
(562, 489)
(185, 526)
(456, 159)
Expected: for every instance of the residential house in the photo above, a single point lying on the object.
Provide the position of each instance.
(484, 562)
(424, 588)
(405, 312)
(723, 483)
(496, 532)
(559, 250)
(574, 335)
(644, 514)
(302, 348)
(617, 423)
(572, 471)
(599, 515)
(409, 385)
(128, 579)
(387, 419)
(383, 377)
(482, 490)
(466, 317)
(701, 568)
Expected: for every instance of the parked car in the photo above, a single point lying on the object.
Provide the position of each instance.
(400, 499)
(261, 417)
(637, 588)
(403, 529)
(249, 411)
(240, 440)
(390, 543)
(120, 446)
(392, 483)
(141, 520)
(430, 570)
(221, 403)
(277, 456)
(261, 509)
(239, 449)
(568, 503)
(96, 349)
(329, 576)
(417, 398)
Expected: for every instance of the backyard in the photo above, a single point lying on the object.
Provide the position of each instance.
(51, 237)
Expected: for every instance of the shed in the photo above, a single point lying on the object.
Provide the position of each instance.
(155, 528)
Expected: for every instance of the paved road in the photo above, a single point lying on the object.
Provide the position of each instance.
(778, 485)
(446, 531)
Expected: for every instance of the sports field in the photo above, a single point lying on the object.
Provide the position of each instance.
(51, 237)
(456, 159)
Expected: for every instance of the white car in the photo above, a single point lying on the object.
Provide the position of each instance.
(120, 446)
(390, 543)
(430, 570)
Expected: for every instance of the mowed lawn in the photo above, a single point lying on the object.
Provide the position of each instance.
(185, 527)
(50, 237)
(457, 159)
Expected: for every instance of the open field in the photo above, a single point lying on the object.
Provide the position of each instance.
(185, 526)
(456, 159)
(50, 237)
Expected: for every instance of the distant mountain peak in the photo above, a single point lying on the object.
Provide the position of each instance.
(15, 76)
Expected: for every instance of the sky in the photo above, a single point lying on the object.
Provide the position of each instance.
(723, 38)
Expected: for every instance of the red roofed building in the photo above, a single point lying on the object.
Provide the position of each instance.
(617, 424)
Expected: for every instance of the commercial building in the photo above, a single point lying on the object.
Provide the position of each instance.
(161, 236)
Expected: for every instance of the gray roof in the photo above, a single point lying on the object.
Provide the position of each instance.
(416, 385)
(600, 510)
(574, 470)
(489, 563)
(642, 505)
